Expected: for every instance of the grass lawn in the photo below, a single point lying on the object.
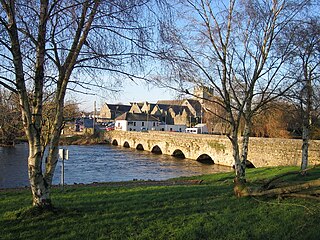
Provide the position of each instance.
(205, 211)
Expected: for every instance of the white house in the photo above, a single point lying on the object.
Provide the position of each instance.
(136, 122)
(172, 128)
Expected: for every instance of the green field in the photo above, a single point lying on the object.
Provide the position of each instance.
(170, 211)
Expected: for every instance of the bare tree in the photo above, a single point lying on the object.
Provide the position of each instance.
(305, 55)
(273, 120)
(52, 46)
(10, 120)
(231, 47)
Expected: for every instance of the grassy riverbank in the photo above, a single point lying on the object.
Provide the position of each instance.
(179, 209)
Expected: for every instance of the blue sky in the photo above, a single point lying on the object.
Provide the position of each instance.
(131, 92)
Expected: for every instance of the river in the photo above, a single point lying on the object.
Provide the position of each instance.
(102, 163)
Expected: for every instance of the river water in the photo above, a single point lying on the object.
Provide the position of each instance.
(102, 163)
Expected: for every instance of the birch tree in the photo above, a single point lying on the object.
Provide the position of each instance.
(52, 46)
(305, 63)
(231, 47)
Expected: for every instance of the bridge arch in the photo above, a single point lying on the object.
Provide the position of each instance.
(126, 144)
(140, 147)
(114, 142)
(205, 158)
(178, 154)
(249, 164)
(156, 150)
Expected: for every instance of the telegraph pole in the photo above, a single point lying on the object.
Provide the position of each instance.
(94, 114)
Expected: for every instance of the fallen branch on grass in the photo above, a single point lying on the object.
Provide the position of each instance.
(268, 185)
(309, 189)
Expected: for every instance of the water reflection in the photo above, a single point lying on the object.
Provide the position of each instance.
(102, 163)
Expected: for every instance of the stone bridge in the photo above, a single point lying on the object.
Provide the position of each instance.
(214, 148)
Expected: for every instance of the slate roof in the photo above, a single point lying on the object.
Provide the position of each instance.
(163, 106)
(170, 102)
(139, 104)
(152, 105)
(179, 109)
(195, 104)
(119, 107)
(177, 106)
(137, 117)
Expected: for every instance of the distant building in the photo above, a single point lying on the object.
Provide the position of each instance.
(136, 122)
(187, 111)
(111, 111)
(202, 93)
(135, 107)
(184, 112)
(172, 128)
(147, 107)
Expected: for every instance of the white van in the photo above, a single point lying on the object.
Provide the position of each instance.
(198, 129)
(193, 130)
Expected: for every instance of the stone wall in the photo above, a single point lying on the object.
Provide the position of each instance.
(281, 152)
(262, 151)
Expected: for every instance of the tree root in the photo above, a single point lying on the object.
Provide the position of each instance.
(36, 211)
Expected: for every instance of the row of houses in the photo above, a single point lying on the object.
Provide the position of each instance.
(144, 122)
(165, 115)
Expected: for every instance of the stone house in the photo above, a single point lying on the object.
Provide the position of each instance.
(147, 107)
(136, 107)
(171, 114)
(179, 115)
(187, 111)
(141, 107)
(111, 111)
(214, 115)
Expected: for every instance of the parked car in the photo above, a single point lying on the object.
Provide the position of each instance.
(110, 127)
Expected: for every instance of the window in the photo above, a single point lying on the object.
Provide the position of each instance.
(134, 123)
(154, 124)
(142, 124)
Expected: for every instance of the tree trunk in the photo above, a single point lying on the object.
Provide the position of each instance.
(306, 124)
(53, 153)
(305, 146)
(245, 143)
(39, 187)
(239, 167)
